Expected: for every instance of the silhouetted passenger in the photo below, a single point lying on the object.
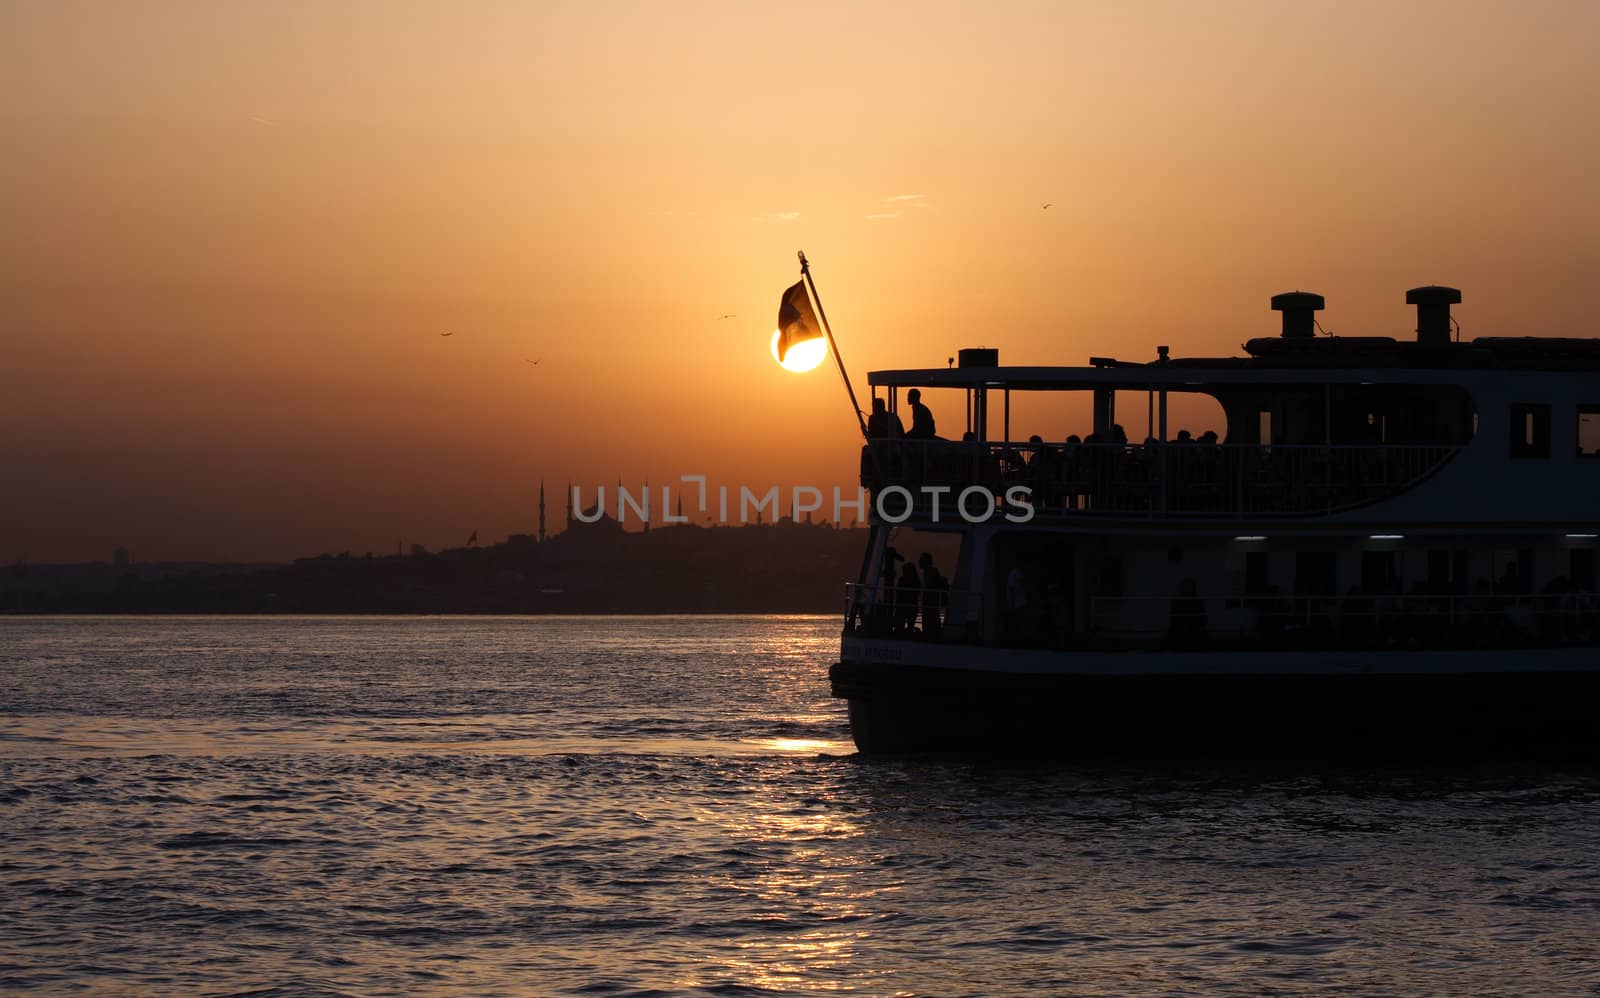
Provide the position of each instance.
(1044, 470)
(883, 616)
(1072, 471)
(921, 417)
(936, 589)
(1016, 607)
(1184, 437)
(905, 599)
(883, 424)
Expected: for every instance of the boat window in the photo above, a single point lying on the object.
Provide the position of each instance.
(1380, 572)
(1315, 574)
(1447, 570)
(1257, 580)
(1033, 587)
(1350, 415)
(1513, 570)
(1530, 430)
(1581, 570)
(943, 546)
(1589, 431)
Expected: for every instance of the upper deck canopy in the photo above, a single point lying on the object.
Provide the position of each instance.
(1328, 360)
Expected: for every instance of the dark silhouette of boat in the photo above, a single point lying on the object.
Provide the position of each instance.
(1390, 549)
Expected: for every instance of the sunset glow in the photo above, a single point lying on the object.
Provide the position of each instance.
(234, 236)
(803, 356)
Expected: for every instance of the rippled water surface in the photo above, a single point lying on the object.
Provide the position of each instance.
(619, 806)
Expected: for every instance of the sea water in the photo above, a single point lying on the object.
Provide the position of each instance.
(671, 805)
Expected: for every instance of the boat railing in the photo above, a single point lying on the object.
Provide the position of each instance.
(1391, 619)
(885, 610)
(1152, 479)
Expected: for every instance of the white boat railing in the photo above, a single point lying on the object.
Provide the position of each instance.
(1158, 479)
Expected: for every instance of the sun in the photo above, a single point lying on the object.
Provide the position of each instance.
(803, 356)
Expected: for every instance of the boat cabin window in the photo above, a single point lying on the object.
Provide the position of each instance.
(1581, 569)
(1513, 570)
(1448, 570)
(1589, 430)
(1530, 430)
(910, 586)
(1380, 572)
(1364, 415)
(1257, 578)
(1315, 573)
(943, 547)
(1033, 588)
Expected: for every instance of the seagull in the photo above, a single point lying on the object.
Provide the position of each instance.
(1046, 205)
(535, 363)
(727, 315)
(447, 334)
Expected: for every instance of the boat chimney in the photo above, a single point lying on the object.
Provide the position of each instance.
(1298, 318)
(1433, 313)
(978, 357)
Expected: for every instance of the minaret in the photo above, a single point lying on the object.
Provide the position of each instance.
(541, 511)
(647, 505)
(569, 506)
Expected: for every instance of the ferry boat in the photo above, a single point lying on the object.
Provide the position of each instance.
(1389, 547)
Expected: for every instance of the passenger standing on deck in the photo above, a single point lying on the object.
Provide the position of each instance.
(1016, 607)
(921, 417)
(883, 615)
(905, 599)
(936, 590)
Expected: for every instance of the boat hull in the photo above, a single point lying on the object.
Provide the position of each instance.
(1254, 705)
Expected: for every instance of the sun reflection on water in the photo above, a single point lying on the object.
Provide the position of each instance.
(818, 746)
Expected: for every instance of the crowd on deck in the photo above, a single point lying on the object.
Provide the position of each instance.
(1104, 472)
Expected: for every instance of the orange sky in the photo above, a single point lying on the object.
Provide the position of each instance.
(232, 234)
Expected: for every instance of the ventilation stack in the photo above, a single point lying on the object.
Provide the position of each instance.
(1299, 310)
(1433, 313)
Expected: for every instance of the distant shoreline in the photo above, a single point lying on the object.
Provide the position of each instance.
(592, 570)
(288, 614)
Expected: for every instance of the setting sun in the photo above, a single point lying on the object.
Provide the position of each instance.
(803, 356)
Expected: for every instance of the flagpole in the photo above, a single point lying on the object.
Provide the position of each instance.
(833, 348)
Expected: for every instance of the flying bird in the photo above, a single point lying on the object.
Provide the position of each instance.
(727, 315)
(535, 363)
(447, 334)
(1046, 205)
